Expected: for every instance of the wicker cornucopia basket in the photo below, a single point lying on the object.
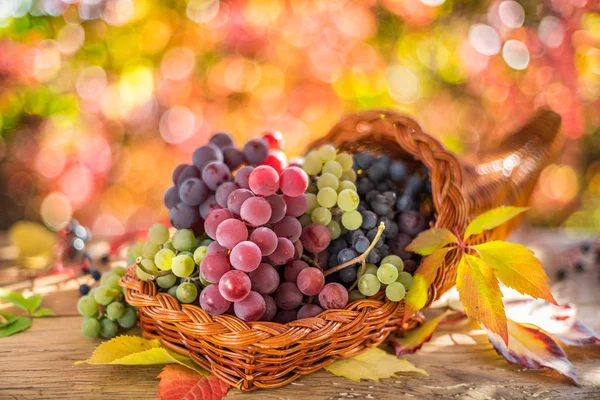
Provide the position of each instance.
(266, 354)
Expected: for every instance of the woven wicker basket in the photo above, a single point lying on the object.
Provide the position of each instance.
(265, 354)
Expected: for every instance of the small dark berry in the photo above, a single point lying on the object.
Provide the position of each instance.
(84, 289)
(561, 275)
(96, 275)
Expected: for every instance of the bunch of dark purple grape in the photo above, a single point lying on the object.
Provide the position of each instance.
(393, 193)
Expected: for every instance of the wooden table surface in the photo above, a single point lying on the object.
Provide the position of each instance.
(38, 363)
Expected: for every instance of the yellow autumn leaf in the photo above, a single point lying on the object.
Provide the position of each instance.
(134, 350)
(373, 364)
(415, 338)
(480, 295)
(517, 267)
(431, 240)
(492, 218)
(416, 298)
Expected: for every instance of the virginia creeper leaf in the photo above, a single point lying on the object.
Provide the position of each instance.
(15, 298)
(179, 383)
(33, 302)
(517, 267)
(480, 294)
(492, 218)
(416, 298)
(431, 240)
(134, 350)
(414, 339)
(14, 325)
(531, 347)
(373, 364)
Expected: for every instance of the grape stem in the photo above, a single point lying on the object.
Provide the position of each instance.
(153, 274)
(361, 259)
(314, 262)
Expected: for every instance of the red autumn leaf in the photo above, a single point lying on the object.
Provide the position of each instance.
(414, 339)
(532, 348)
(181, 383)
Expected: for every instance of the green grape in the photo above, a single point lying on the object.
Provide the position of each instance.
(199, 254)
(105, 277)
(369, 285)
(168, 245)
(149, 249)
(206, 242)
(333, 167)
(129, 318)
(90, 327)
(405, 279)
(164, 258)
(335, 230)
(184, 239)
(395, 261)
(369, 269)
(327, 152)
(183, 265)
(187, 293)
(91, 293)
(327, 197)
(321, 215)
(312, 163)
(346, 185)
(328, 180)
(352, 220)
(148, 265)
(166, 281)
(158, 234)
(173, 291)
(349, 175)
(305, 220)
(355, 295)
(186, 253)
(104, 295)
(108, 328)
(387, 273)
(312, 202)
(395, 291)
(115, 310)
(348, 200)
(134, 251)
(345, 160)
(312, 188)
(119, 270)
(203, 281)
(113, 282)
(87, 306)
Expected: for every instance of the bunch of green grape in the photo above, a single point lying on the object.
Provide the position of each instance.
(104, 307)
(331, 194)
(390, 274)
(172, 262)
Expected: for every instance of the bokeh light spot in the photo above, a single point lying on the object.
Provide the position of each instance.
(178, 63)
(516, 54)
(512, 14)
(177, 124)
(91, 82)
(551, 31)
(485, 39)
(403, 84)
(56, 211)
(202, 11)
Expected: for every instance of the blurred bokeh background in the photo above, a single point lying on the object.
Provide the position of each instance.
(100, 99)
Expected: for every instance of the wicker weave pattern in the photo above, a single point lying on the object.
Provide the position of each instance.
(266, 355)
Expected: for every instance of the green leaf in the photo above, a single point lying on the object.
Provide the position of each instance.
(15, 298)
(43, 312)
(431, 240)
(33, 302)
(492, 218)
(373, 364)
(17, 325)
(134, 350)
(7, 319)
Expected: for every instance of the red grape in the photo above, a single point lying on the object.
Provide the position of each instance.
(231, 232)
(171, 197)
(274, 139)
(332, 296)
(183, 217)
(283, 253)
(289, 228)
(277, 160)
(256, 151)
(264, 180)
(315, 238)
(310, 281)
(278, 208)
(241, 177)
(256, 211)
(221, 139)
(237, 198)
(204, 155)
(287, 296)
(177, 171)
(252, 308)
(214, 266)
(214, 219)
(234, 285)
(223, 192)
(266, 239)
(215, 247)
(291, 271)
(212, 302)
(285, 316)
(193, 192)
(296, 206)
(265, 279)
(271, 308)
(309, 311)
(299, 250)
(293, 181)
(245, 256)
(233, 157)
(210, 204)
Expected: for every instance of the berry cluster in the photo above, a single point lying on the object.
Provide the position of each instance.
(390, 273)
(104, 307)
